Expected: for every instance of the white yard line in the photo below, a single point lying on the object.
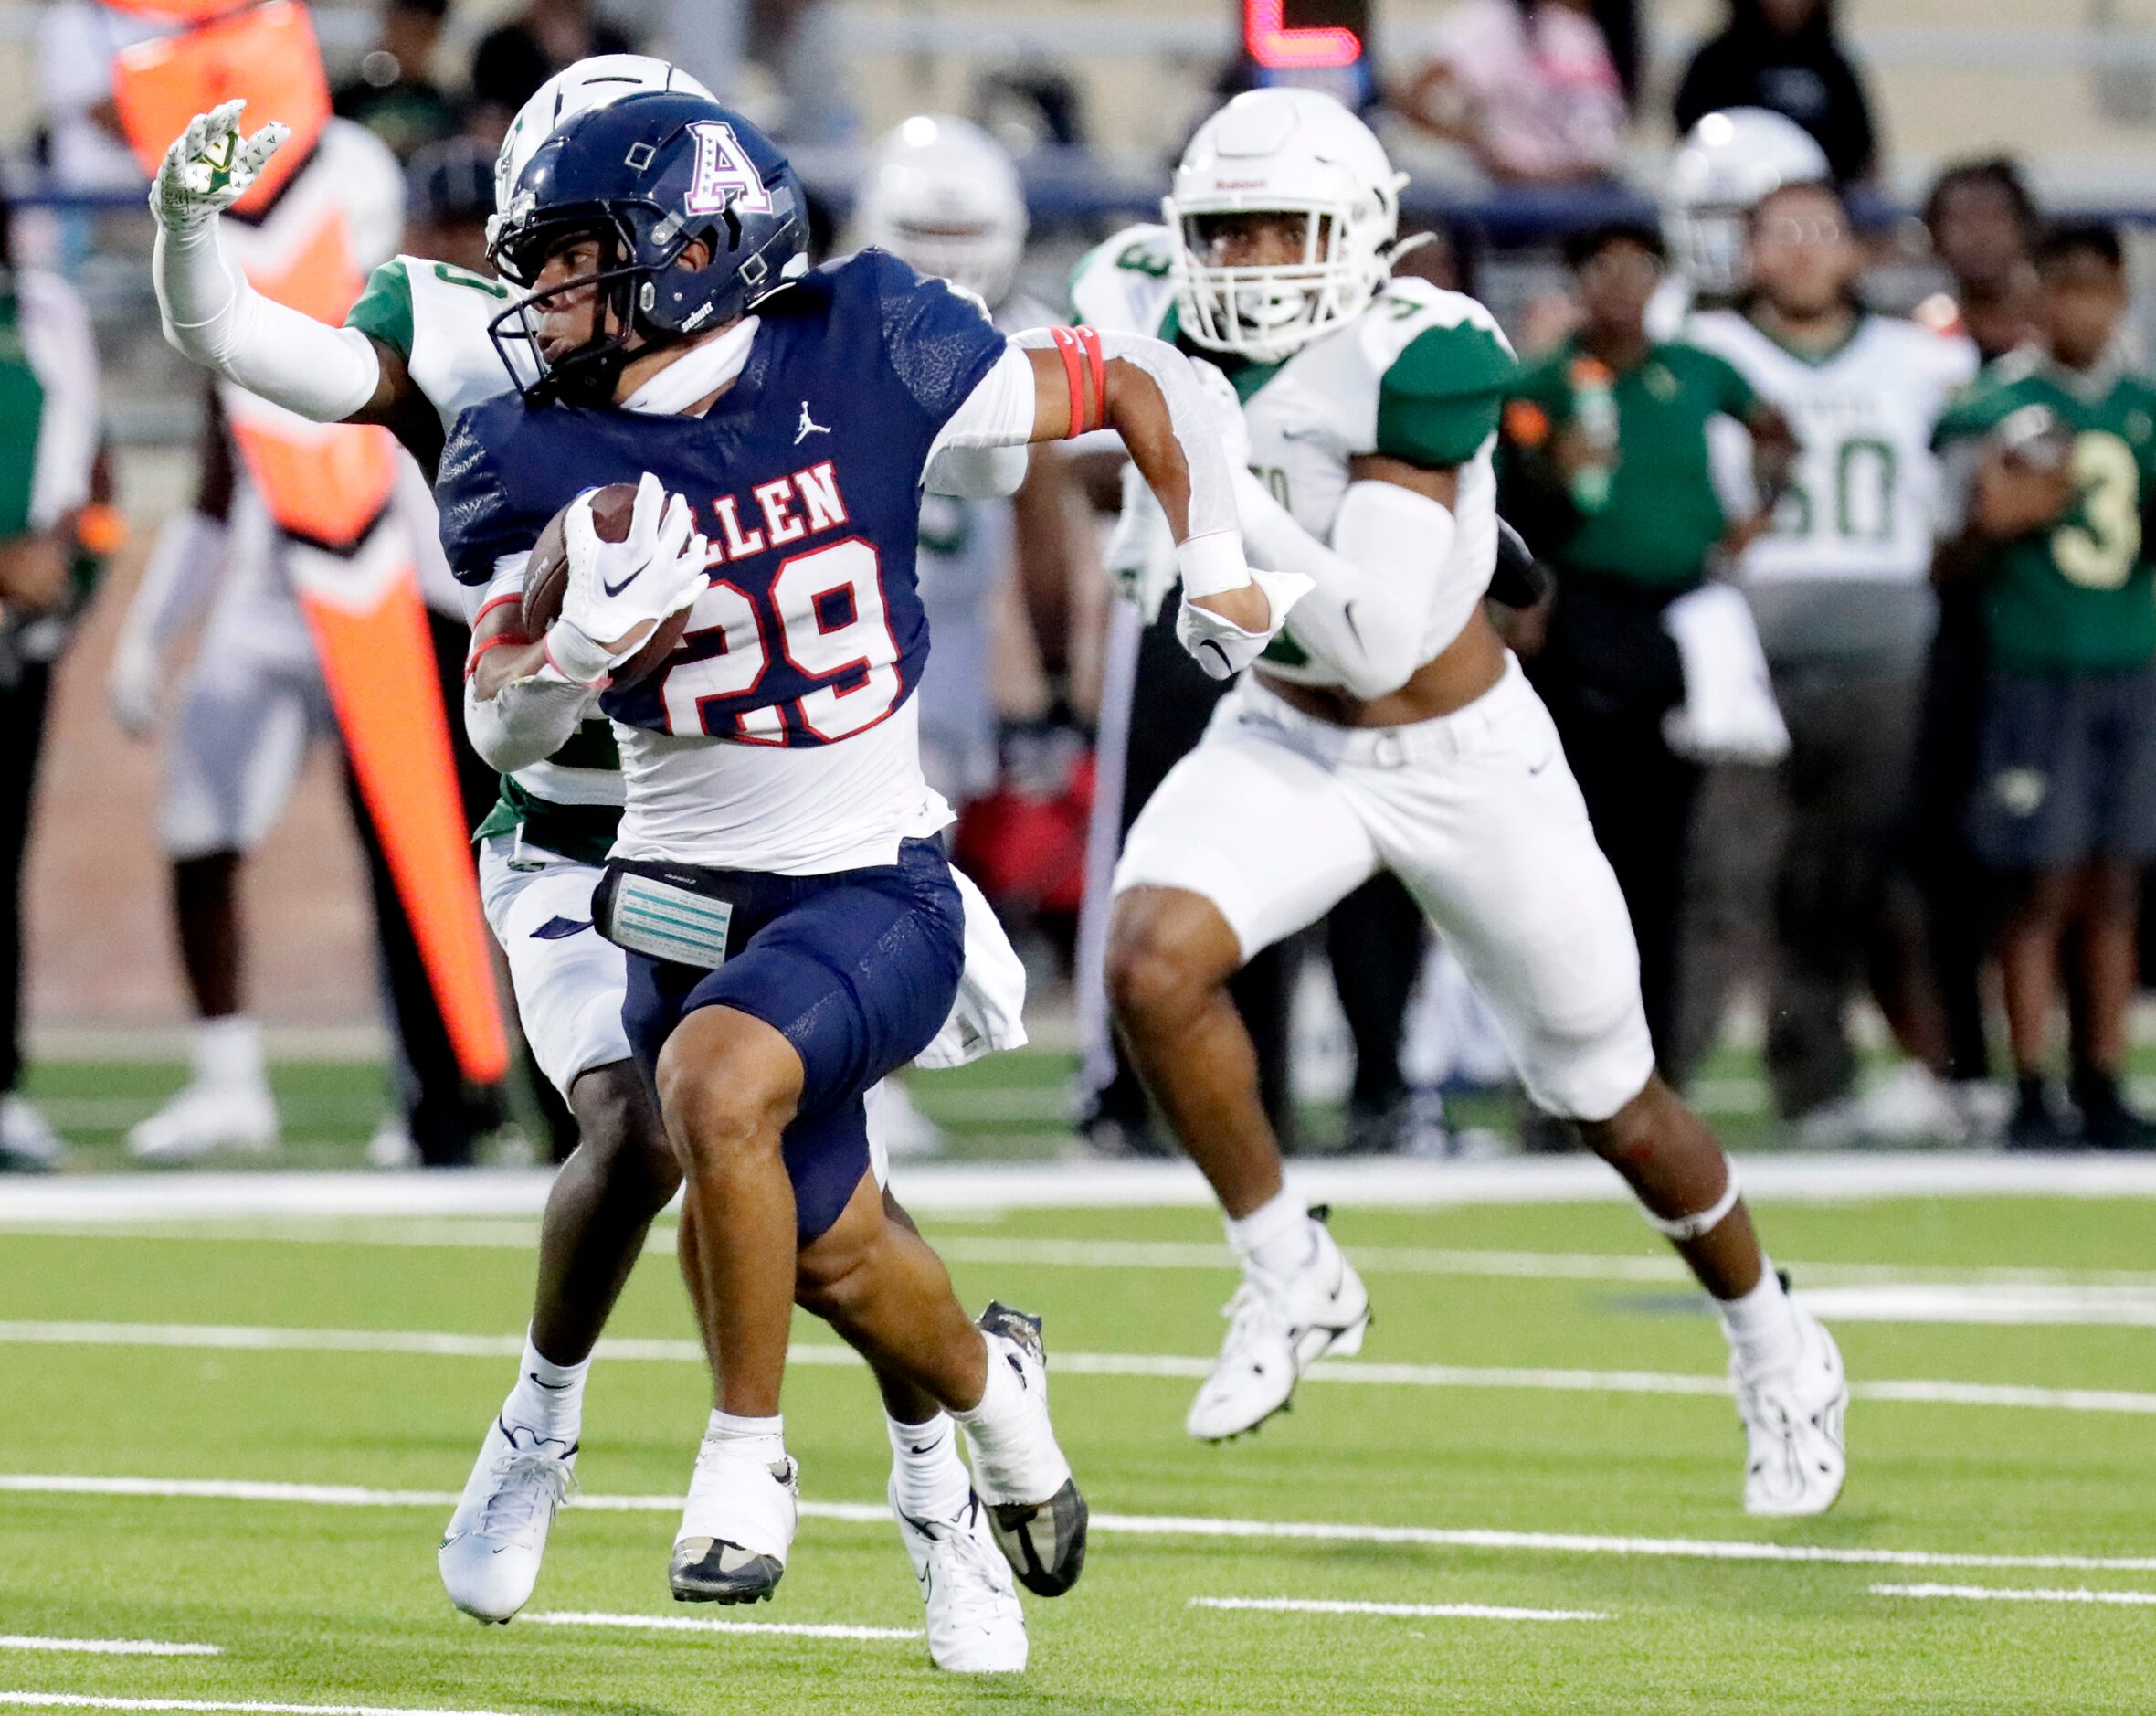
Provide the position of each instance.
(1408, 1611)
(1129, 1524)
(688, 1623)
(1050, 1252)
(77, 1700)
(107, 1647)
(933, 1188)
(249, 1337)
(2000, 1594)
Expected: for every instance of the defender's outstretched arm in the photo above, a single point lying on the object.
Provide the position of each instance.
(211, 314)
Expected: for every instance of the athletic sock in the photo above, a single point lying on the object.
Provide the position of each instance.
(760, 1439)
(928, 1480)
(228, 1052)
(1761, 1326)
(549, 1398)
(1278, 1236)
(1014, 1451)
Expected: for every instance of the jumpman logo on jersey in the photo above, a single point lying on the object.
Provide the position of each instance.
(808, 426)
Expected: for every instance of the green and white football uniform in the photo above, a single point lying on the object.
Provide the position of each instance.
(541, 847)
(1843, 568)
(1277, 816)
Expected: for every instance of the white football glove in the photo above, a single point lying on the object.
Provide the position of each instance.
(130, 685)
(1224, 649)
(618, 590)
(210, 167)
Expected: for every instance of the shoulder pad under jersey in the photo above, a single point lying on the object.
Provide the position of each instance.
(436, 317)
(1127, 284)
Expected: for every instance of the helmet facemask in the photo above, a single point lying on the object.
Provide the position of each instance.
(1707, 245)
(586, 373)
(1266, 313)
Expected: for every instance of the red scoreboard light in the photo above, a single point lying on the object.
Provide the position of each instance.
(1305, 35)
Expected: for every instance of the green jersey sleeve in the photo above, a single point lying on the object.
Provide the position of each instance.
(1733, 395)
(1439, 400)
(383, 312)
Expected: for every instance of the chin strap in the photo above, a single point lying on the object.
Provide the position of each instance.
(1690, 1227)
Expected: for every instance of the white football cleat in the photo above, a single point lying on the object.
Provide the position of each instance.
(205, 1118)
(975, 1625)
(490, 1556)
(1035, 1511)
(1278, 1326)
(736, 1528)
(28, 1145)
(1793, 1419)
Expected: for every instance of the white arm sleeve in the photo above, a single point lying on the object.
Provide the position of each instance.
(528, 719)
(211, 314)
(1190, 417)
(1367, 617)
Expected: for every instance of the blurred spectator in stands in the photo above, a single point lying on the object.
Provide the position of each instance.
(1606, 472)
(1840, 586)
(515, 59)
(81, 140)
(54, 529)
(392, 93)
(2053, 459)
(1527, 87)
(1983, 225)
(1785, 56)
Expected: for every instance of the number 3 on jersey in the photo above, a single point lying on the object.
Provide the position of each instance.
(830, 626)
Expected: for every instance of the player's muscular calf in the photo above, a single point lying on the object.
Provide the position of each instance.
(1675, 1168)
(1171, 954)
(602, 1204)
(887, 1294)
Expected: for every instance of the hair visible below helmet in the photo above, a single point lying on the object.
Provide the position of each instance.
(942, 195)
(573, 90)
(1293, 152)
(1726, 166)
(648, 177)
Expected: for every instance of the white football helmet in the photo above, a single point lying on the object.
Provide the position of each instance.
(575, 89)
(1726, 166)
(941, 193)
(1293, 152)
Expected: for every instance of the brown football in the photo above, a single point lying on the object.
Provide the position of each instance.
(546, 580)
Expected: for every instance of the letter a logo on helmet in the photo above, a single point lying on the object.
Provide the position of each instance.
(723, 174)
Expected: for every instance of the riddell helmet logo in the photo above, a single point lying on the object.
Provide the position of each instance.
(724, 173)
(1239, 184)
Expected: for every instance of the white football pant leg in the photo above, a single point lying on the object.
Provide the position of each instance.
(1486, 827)
(241, 732)
(568, 978)
(1253, 824)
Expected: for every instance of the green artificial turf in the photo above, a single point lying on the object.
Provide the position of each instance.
(322, 1605)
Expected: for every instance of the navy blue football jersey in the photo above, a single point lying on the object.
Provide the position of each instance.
(805, 475)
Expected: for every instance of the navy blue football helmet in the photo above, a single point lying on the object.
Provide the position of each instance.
(647, 176)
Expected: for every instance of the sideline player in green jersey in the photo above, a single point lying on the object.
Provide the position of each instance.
(2054, 452)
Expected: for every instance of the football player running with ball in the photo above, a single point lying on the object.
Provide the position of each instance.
(1389, 728)
(417, 351)
(792, 930)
